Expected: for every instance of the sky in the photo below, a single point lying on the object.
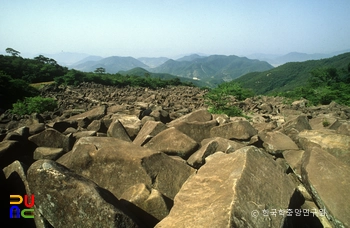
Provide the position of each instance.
(154, 28)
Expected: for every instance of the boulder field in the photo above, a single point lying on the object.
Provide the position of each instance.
(135, 157)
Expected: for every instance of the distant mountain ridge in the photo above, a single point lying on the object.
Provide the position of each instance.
(211, 67)
(277, 60)
(112, 64)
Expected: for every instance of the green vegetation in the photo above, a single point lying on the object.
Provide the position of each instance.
(39, 69)
(325, 123)
(34, 105)
(12, 90)
(324, 86)
(220, 99)
(289, 76)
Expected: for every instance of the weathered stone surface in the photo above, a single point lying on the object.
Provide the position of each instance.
(167, 174)
(80, 134)
(52, 138)
(93, 114)
(228, 189)
(328, 179)
(149, 200)
(61, 126)
(148, 130)
(36, 128)
(241, 130)
(173, 142)
(201, 115)
(98, 126)
(117, 165)
(160, 115)
(299, 123)
(196, 130)
(336, 144)
(294, 159)
(131, 123)
(197, 159)
(344, 128)
(47, 153)
(66, 199)
(224, 145)
(117, 130)
(322, 122)
(276, 142)
(112, 163)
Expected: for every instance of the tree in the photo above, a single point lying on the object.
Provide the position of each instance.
(100, 70)
(12, 52)
(45, 60)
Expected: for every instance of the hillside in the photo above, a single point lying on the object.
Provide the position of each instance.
(290, 75)
(138, 71)
(214, 67)
(112, 64)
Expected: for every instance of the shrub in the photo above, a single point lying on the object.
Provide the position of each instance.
(220, 99)
(34, 104)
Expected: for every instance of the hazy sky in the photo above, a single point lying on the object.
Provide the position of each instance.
(156, 28)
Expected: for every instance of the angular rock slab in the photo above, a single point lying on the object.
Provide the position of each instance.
(328, 179)
(66, 199)
(148, 130)
(228, 189)
(52, 138)
(196, 130)
(201, 115)
(241, 130)
(117, 165)
(336, 144)
(173, 142)
(93, 114)
(276, 142)
(117, 130)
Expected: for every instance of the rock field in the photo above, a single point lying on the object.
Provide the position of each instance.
(135, 157)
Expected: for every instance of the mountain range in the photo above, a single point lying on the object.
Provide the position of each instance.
(277, 60)
(214, 68)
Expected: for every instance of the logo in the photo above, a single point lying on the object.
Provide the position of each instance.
(16, 212)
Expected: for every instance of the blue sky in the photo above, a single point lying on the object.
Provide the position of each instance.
(156, 28)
